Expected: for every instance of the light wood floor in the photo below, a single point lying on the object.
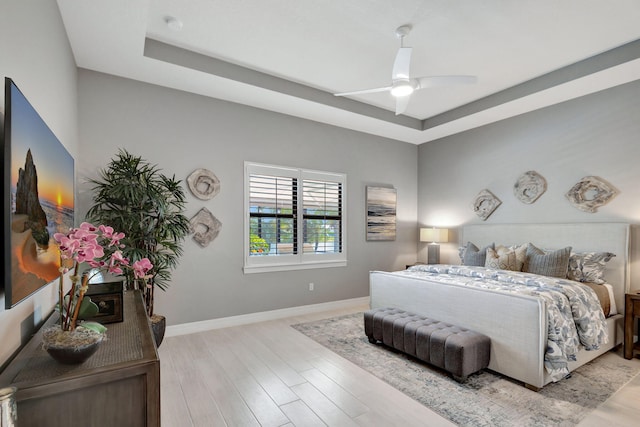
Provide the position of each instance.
(268, 374)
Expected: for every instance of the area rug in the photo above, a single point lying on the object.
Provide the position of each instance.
(486, 398)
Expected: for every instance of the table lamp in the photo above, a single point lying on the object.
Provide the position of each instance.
(434, 236)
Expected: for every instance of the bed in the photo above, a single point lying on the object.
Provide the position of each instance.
(516, 324)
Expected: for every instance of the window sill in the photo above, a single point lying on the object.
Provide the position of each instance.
(287, 267)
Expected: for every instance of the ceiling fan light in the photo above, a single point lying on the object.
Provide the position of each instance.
(402, 89)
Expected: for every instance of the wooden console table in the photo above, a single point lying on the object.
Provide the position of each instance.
(631, 311)
(118, 386)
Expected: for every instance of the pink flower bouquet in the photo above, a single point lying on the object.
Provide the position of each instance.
(85, 245)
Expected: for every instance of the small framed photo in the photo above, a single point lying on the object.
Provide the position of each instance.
(108, 298)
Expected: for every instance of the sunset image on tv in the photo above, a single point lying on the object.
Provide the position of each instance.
(42, 198)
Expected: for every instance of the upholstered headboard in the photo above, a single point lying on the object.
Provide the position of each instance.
(582, 237)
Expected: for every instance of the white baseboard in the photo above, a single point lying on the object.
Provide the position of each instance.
(225, 322)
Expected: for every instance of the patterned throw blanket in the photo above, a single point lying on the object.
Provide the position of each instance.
(574, 314)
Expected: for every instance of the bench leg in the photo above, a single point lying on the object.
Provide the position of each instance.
(372, 340)
(459, 378)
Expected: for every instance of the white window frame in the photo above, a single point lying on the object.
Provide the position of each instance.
(300, 261)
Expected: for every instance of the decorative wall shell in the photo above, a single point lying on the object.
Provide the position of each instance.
(485, 203)
(590, 193)
(203, 184)
(205, 227)
(529, 187)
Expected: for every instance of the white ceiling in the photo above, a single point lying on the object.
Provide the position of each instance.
(289, 56)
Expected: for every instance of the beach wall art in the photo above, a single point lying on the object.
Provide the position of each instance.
(381, 213)
(38, 198)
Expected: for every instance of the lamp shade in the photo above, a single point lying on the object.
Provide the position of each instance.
(434, 235)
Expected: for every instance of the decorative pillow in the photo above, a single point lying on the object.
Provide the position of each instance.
(550, 264)
(588, 266)
(504, 260)
(520, 251)
(474, 256)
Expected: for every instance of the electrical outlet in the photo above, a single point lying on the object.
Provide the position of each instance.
(311, 285)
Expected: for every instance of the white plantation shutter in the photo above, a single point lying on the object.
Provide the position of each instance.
(294, 218)
(322, 216)
(271, 208)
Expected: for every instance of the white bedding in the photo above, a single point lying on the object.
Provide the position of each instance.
(574, 314)
(582, 237)
(517, 346)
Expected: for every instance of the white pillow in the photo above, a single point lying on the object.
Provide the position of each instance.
(506, 260)
(520, 251)
(588, 266)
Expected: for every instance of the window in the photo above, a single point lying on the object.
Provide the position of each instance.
(294, 218)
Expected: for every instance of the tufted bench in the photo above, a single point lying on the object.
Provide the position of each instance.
(458, 351)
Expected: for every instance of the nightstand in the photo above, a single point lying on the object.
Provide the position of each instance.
(631, 311)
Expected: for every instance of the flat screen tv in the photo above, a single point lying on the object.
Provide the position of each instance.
(38, 190)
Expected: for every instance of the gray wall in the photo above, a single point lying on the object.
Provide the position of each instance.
(593, 135)
(182, 132)
(35, 53)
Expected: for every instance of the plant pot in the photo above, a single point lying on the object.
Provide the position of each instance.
(158, 326)
(71, 347)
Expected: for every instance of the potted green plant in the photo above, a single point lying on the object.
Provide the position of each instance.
(83, 248)
(134, 196)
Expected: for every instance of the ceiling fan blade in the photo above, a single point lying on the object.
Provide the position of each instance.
(360, 92)
(433, 81)
(402, 102)
(402, 64)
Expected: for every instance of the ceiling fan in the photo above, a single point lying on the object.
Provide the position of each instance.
(402, 85)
